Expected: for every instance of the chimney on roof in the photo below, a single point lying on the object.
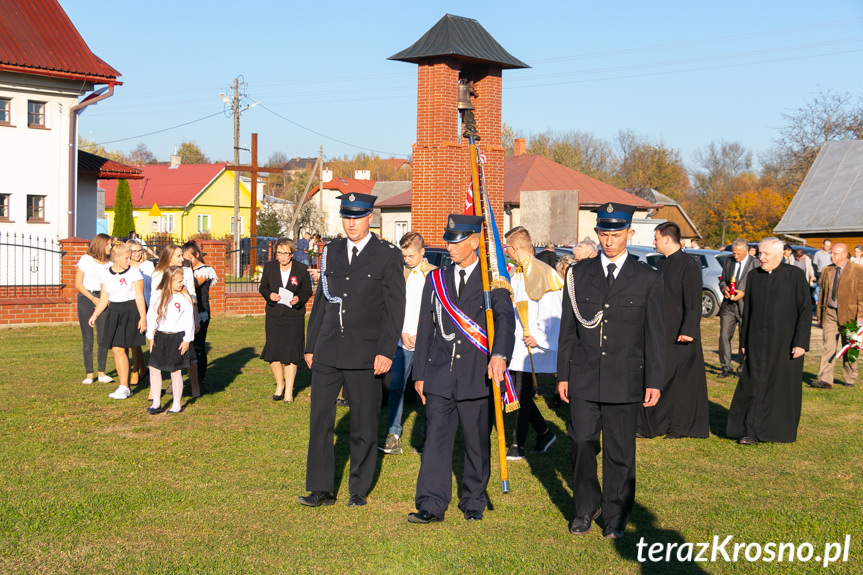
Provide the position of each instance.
(176, 160)
(519, 147)
(327, 175)
(362, 175)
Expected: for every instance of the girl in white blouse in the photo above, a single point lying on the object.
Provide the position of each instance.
(171, 329)
(172, 255)
(87, 277)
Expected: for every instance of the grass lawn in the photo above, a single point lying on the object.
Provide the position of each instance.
(93, 485)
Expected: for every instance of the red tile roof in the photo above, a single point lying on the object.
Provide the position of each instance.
(166, 186)
(37, 37)
(398, 201)
(105, 169)
(396, 163)
(529, 173)
(346, 186)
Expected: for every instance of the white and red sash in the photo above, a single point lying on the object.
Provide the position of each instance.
(472, 331)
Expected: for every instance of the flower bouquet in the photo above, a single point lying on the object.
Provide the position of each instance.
(852, 332)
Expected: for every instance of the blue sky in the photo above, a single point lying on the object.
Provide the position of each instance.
(684, 72)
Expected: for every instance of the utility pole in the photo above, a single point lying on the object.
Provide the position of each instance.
(238, 229)
(324, 231)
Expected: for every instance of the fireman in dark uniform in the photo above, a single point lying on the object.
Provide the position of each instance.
(352, 334)
(452, 375)
(611, 360)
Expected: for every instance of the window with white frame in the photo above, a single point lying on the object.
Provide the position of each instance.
(4, 207)
(203, 223)
(5, 112)
(166, 223)
(401, 229)
(36, 114)
(35, 208)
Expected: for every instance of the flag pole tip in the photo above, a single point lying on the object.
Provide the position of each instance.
(504, 486)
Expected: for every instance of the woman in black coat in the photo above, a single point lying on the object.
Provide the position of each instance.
(285, 321)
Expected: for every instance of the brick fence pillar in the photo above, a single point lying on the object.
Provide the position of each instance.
(74, 248)
(216, 256)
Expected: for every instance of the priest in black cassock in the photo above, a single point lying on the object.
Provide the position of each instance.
(682, 411)
(774, 337)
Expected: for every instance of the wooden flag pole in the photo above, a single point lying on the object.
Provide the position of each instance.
(489, 319)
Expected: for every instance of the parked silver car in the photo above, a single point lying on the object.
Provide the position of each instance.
(711, 269)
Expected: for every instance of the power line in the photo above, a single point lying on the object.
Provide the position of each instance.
(705, 41)
(682, 71)
(393, 154)
(160, 131)
(641, 66)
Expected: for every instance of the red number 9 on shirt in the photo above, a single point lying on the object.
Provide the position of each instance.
(177, 305)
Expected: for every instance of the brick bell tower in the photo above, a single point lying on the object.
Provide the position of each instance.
(454, 47)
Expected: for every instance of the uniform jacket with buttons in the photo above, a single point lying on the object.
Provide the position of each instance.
(455, 367)
(625, 353)
(372, 290)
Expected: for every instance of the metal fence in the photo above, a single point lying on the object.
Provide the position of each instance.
(29, 266)
(158, 241)
(242, 278)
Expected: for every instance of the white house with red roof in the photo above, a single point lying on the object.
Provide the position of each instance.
(327, 203)
(46, 69)
(184, 200)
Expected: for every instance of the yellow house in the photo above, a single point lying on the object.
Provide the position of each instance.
(183, 200)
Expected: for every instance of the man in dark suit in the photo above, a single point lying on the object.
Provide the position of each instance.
(548, 256)
(452, 374)
(352, 334)
(611, 361)
(733, 286)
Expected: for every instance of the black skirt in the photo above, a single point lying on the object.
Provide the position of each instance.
(285, 339)
(121, 325)
(166, 355)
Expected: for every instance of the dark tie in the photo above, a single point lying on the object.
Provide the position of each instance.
(355, 251)
(610, 277)
(736, 275)
(834, 291)
(460, 289)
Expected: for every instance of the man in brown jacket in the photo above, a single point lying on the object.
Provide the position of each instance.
(840, 301)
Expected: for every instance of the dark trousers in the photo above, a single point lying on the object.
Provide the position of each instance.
(527, 415)
(200, 345)
(730, 316)
(434, 484)
(364, 391)
(618, 423)
(85, 310)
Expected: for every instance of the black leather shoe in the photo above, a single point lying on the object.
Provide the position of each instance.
(747, 441)
(342, 402)
(581, 525)
(278, 397)
(317, 498)
(639, 435)
(725, 373)
(356, 501)
(673, 435)
(610, 533)
(473, 515)
(152, 410)
(423, 516)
